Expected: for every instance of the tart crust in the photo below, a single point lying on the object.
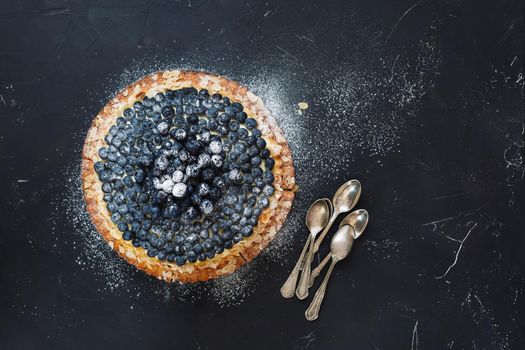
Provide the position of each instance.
(271, 219)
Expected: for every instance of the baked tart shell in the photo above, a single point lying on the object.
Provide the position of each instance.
(271, 219)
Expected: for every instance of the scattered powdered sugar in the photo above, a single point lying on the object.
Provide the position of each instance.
(371, 103)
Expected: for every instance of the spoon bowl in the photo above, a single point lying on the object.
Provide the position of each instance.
(345, 198)
(317, 216)
(342, 242)
(358, 219)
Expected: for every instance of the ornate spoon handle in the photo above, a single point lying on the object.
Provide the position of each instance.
(288, 288)
(318, 269)
(302, 288)
(312, 312)
(325, 231)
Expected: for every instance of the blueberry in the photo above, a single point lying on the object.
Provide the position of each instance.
(201, 256)
(161, 255)
(204, 93)
(235, 176)
(212, 125)
(219, 249)
(105, 176)
(240, 147)
(115, 217)
(268, 177)
(128, 235)
(246, 231)
(253, 151)
(159, 97)
(180, 260)
(99, 166)
(250, 123)
(268, 190)
(226, 235)
(224, 119)
(206, 207)
(215, 147)
(128, 181)
(142, 234)
(207, 174)
(103, 153)
(250, 140)
(152, 252)
(256, 161)
(106, 187)
(243, 133)
(193, 119)
(265, 153)
(244, 158)
(225, 224)
(180, 134)
(230, 110)
(198, 248)
(222, 130)
(112, 208)
(125, 149)
(269, 163)
(191, 256)
(237, 238)
(139, 175)
(193, 146)
(261, 143)
(228, 244)
(219, 182)
(192, 170)
(264, 202)
(128, 113)
(137, 106)
(203, 189)
(154, 212)
(212, 112)
(257, 132)
(208, 244)
(241, 117)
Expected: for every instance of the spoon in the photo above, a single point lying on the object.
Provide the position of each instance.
(344, 200)
(316, 219)
(339, 249)
(302, 289)
(358, 219)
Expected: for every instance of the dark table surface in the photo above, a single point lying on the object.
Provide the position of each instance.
(422, 101)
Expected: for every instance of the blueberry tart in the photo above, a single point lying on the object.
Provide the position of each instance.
(186, 175)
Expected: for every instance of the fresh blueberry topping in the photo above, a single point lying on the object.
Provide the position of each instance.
(185, 175)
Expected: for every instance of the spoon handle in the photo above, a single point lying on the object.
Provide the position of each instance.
(325, 231)
(302, 288)
(312, 312)
(318, 269)
(288, 288)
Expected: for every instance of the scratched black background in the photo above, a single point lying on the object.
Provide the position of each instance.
(449, 202)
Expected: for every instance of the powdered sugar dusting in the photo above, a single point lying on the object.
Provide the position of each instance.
(345, 97)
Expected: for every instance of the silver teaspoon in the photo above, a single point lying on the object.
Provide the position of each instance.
(302, 289)
(316, 218)
(358, 219)
(339, 248)
(344, 200)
